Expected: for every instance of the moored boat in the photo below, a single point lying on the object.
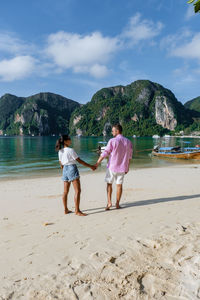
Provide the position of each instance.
(177, 152)
(101, 147)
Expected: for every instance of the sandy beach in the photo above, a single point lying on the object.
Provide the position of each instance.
(149, 249)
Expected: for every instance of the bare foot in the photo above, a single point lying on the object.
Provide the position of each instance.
(117, 205)
(67, 211)
(80, 213)
(108, 206)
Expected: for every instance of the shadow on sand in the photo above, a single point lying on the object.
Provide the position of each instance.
(144, 202)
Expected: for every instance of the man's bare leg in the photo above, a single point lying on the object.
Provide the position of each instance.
(77, 188)
(109, 196)
(119, 194)
(65, 195)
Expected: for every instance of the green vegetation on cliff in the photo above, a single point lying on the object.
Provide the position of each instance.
(41, 114)
(9, 104)
(194, 106)
(143, 108)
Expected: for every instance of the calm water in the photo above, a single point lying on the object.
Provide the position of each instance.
(35, 156)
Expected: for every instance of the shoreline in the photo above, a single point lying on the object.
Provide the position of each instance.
(171, 163)
(20, 161)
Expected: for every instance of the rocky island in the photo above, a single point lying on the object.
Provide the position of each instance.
(143, 108)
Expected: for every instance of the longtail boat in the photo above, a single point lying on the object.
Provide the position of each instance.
(177, 152)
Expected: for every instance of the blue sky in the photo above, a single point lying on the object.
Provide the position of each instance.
(75, 47)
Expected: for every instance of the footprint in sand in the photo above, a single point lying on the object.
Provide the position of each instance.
(24, 257)
(35, 246)
(25, 234)
(7, 241)
(53, 234)
(65, 259)
(83, 246)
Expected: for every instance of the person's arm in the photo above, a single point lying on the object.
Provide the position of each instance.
(130, 156)
(60, 158)
(105, 153)
(82, 162)
(99, 161)
(60, 164)
(128, 166)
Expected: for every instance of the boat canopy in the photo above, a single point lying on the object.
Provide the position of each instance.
(166, 148)
(191, 148)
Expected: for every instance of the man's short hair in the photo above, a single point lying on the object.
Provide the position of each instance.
(118, 127)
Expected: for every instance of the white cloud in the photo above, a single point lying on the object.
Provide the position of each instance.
(185, 79)
(82, 53)
(90, 53)
(189, 49)
(197, 71)
(9, 43)
(16, 61)
(190, 13)
(16, 68)
(185, 74)
(185, 44)
(96, 70)
(171, 41)
(139, 30)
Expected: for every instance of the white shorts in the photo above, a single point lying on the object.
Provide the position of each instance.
(111, 176)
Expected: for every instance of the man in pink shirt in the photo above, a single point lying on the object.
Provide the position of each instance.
(119, 150)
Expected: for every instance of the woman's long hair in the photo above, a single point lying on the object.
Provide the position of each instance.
(60, 141)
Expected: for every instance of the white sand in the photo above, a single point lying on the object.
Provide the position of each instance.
(150, 249)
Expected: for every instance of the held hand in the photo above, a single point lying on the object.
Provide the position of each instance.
(96, 165)
(93, 168)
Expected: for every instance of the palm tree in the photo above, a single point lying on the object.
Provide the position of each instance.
(196, 5)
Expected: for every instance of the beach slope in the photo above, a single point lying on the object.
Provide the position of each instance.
(149, 249)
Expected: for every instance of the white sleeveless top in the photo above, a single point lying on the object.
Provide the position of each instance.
(67, 156)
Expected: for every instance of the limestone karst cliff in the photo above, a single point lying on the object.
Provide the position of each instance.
(40, 114)
(143, 108)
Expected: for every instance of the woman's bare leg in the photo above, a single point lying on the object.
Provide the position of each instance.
(65, 195)
(77, 188)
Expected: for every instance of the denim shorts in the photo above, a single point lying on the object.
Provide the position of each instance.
(70, 172)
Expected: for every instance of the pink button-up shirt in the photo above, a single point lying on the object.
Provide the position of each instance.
(120, 150)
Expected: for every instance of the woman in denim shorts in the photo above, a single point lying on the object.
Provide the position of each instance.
(67, 159)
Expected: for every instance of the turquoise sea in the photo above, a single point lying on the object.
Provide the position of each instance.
(36, 156)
